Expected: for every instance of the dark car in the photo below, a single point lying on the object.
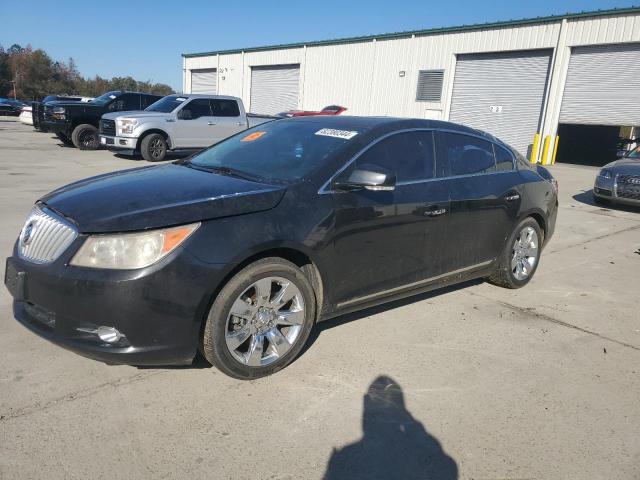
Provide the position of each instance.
(243, 247)
(37, 108)
(9, 106)
(619, 181)
(77, 123)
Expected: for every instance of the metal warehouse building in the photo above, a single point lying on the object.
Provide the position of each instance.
(575, 76)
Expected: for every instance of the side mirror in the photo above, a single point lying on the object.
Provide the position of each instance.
(116, 106)
(373, 178)
(185, 114)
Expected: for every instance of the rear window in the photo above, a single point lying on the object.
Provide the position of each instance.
(467, 155)
(280, 150)
(224, 108)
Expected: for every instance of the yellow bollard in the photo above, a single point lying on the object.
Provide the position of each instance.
(545, 151)
(534, 148)
(555, 150)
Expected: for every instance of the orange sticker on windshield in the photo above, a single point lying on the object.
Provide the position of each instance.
(253, 136)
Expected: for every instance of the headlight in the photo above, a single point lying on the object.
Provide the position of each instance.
(127, 251)
(126, 125)
(604, 173)
(59, 110)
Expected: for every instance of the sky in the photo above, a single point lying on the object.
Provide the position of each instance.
(145, 39)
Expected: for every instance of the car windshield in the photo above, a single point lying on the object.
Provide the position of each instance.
(166, 104)
(635, 153)
(105, 97)
(280, 150)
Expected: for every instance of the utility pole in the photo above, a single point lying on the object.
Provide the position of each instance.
(14, 89)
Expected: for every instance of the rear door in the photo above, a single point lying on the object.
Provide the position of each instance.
(484, 195)
(195, 126)
(227, 118)
(386, 240)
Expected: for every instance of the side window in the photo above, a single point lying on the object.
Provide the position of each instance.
(198, 108)
(504, 158)
(130, 101)
(467, 155)
(225, 108)
(147, 100)
(409, 155)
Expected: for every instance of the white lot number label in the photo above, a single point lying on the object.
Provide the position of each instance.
(495, 108)
(330, 132)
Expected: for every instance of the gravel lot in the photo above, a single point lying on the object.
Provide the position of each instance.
(542, 382)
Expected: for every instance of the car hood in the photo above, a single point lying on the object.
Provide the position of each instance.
(625, 166)
(158, 196)
(138, 115)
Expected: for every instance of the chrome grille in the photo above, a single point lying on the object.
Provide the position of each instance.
(44, 237)
(628, 186)
(108, 127)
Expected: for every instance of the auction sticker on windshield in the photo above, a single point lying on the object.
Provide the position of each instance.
(331, 132)
(253, 136)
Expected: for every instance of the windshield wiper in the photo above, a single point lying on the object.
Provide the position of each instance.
(231, 172)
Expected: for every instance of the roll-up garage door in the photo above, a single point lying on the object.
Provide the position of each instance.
(274, 88)
(204, 81)
(603, 86)
(502, 93)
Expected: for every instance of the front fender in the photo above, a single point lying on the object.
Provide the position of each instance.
(152, 127)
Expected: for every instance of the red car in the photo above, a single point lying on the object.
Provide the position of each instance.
(330, 110)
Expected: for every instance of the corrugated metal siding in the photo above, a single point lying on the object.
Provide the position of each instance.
(603, 86)
(501, 93)
(598, 30)
(230, 75)
(204, 81)
(339, 75)
(274, 89)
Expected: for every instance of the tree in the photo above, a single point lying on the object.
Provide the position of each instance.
(36, 75)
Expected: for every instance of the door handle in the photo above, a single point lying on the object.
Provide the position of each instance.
(211, 123)
(240, 124)
(435, 212)
(512, 197)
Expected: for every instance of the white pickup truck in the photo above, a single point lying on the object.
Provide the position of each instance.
(176, 122)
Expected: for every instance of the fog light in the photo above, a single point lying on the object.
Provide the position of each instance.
(108, 334)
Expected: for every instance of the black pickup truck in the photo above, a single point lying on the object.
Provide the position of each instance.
(76, 123)
(37, 108)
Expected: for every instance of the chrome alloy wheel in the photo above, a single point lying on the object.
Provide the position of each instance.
(265, 321)
(156, 148)
(525, 253)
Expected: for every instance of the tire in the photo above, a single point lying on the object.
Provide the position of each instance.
(153, 147)
(85, 137)
(64, 139)
(508, 273)
(227, 341)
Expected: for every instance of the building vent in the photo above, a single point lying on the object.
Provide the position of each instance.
(429, 85)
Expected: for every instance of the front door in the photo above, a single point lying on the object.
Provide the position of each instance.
(195, 125)
(385, 240)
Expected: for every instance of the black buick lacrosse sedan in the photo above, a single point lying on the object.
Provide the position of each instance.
(239, 250)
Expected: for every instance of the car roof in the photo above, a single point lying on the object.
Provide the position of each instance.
(388, 124)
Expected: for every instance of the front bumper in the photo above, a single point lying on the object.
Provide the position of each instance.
(55, 126)
(158, 309)
(610, 189)
(118, 143)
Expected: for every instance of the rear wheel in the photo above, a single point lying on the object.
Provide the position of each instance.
(153, 147)
(64, 139)
(85, 137)
(260, 320)
(519, 260)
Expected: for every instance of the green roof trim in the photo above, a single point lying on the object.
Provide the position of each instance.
(419, 33)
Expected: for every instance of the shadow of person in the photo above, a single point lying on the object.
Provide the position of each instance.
(394, 445)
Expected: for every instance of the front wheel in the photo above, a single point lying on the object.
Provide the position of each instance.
(260, 320)
(519, 260)
(85, 137)
(153, 147)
